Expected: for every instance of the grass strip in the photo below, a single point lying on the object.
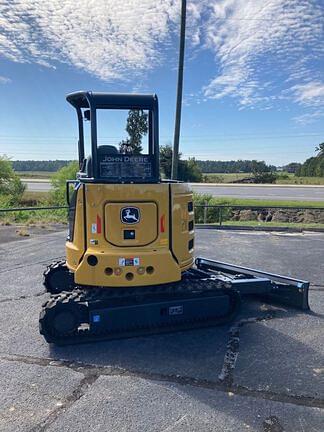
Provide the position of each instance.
(199, 199)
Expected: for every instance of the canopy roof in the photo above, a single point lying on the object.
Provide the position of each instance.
(88, 99)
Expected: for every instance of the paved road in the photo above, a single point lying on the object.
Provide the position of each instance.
(165, 382)
(235, 191)
(294, 193)
(37, 186)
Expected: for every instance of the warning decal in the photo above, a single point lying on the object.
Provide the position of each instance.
(123, 262)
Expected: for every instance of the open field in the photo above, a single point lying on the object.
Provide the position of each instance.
(224, 177)
(169, 382)
(283, 178)
(292, 179)
(35, 174)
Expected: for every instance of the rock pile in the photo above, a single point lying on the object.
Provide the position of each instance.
(279, 215)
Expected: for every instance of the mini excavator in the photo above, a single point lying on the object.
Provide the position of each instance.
(130, 267)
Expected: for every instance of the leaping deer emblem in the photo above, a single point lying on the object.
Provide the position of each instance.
(130, 215)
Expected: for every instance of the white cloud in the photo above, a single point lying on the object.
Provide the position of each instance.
(311, 93)
(107, 38)
(4, 80)
(311, 97)
(309, 118)
(263, 50)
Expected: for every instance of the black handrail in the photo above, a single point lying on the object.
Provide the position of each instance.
(258, 207)
(196, 206)
(5, 210)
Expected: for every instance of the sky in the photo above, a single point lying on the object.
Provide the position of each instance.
(253, 83)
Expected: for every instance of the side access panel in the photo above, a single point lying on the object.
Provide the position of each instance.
(182, 224)
(76, 244)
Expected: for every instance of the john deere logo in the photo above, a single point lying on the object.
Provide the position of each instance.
(130, 215)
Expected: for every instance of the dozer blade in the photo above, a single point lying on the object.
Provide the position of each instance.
(269, 286)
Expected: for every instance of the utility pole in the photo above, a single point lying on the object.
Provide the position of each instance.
(175, 158)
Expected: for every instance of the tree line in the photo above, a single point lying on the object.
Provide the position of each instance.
(239, 166)
(187, 168)
(39, 165)
(243, 166)
(314, 166)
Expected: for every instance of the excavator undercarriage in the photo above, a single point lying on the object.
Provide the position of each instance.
(207, 295)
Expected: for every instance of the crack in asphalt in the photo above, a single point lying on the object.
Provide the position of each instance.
(90, 370)
(78, 392)
(23, 297)
(19, 266)
(315, 287)
(42, 239)
(232, 348)
(272, 424)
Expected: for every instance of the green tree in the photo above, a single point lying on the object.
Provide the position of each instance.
(320, 149)
(58, 194)
(292, 167)
(188, 170)
(166, 160)
(136, 127)
(10, 184)
(313, 166)
(263, 173)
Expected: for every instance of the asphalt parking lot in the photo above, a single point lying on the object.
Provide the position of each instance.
(171, 382)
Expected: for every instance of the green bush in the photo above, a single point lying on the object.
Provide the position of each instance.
(5, 201)
(11, 187)
(263, 173)
(58, 194)
(282, 176)
(189, 171)
(213, 178)
(213, 214)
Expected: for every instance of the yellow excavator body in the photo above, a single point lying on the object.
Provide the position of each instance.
(119, 242)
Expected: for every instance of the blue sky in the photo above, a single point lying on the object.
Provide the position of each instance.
(253, 87)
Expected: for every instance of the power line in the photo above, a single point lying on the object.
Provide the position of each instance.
(184, 136)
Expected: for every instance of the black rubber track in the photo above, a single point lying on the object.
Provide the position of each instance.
(57, 278)
(83, 300)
